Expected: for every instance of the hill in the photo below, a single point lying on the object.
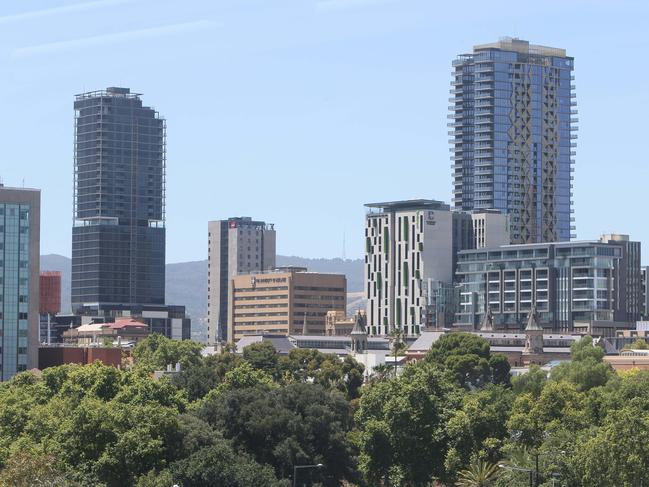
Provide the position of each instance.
(187, 281)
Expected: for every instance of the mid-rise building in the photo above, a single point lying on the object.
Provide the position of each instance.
(118, 238)
(50, 303)
(513, 120)
(490, 229)
(19, 279)
(236, 245)
(285, 301)
(583, 285)
(410, 258)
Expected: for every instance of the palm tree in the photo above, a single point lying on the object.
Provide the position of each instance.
(479, 474)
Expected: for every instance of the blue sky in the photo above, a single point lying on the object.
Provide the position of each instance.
(300, 111)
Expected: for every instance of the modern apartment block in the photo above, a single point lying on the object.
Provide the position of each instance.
(118, 238)
(513, 118)
(568, 283)
(490, 229)
(406, 243)
(410, 258)
(236, 245)
(285, 301)
(19, 279)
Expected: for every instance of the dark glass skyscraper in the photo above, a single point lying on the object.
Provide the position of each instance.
(512, 112)
(118, 237)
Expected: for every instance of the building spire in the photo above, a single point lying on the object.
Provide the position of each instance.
(488, 320)
(533, 321)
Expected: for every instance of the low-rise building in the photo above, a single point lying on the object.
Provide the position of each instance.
(337, 323)
(629, 359)
(286, 301)
(122, 332)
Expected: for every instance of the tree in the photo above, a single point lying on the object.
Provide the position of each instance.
(587, 369)
(262, 356)
(531, 382)
(30, 469)
(639, 344)
(156, 351)
(469, 358)
(284, 426)
(617, 453)
(479, 474)
(402, 426)
(221, 465)
(479, 428)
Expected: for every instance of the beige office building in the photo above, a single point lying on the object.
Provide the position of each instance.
(284, 301)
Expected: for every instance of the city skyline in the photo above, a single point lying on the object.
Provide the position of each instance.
(252, 118)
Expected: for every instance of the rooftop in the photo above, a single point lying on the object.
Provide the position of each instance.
(522, 46)
(415, 204)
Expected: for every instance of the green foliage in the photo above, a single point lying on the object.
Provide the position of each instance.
(469, 358)
(402, 426)
(296, 424)
(479, 474)
(30, 469)
(639, 344)
(532, 382)
(156, 351)
(262, 356)
(586, 370)
(221, 465)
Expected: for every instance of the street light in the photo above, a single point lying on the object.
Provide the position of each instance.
(537, 454)
(298, 467)
(519, 469)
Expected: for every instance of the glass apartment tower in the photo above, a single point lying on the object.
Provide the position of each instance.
(513, 123)
(19, 279)
(118, 236)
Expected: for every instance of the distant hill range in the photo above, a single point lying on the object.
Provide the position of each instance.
(187, 281)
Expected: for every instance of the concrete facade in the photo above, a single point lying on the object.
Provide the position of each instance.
(236, 245)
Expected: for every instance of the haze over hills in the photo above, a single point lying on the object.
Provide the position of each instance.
(187, 281)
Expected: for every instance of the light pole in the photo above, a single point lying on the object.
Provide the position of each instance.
(536, 463)
(299, 467)
(518, 469)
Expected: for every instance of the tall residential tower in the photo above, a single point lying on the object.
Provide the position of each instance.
(236, 245)
(118, 238)
(513, 123)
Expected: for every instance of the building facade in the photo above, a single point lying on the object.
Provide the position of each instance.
(168, 320)
(235, 246)
(569, 283)
(118, 237)
(285, 301)
(19, 279)
(411, 248)
(513, 121)
(49, 303)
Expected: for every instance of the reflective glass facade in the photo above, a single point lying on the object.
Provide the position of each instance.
(19, 235)
(118, 238)
(513, 123)
(567, 282)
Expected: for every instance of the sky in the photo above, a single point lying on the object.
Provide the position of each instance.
(298, 112)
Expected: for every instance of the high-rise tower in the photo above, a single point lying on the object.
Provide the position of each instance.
(513, 119)
(118, 237)
(236, 245)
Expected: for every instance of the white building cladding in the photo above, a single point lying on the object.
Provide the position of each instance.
(407, 243)
(567, 282)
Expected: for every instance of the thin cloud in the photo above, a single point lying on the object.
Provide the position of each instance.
(63, 9)
(116, 37)
(329, 5)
